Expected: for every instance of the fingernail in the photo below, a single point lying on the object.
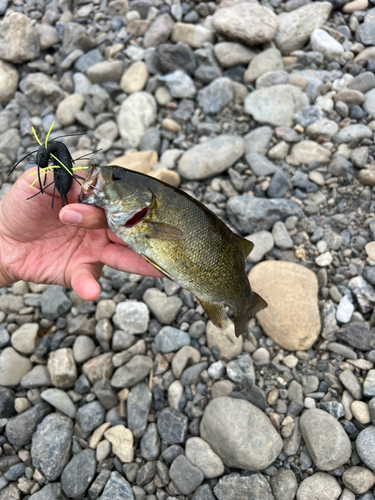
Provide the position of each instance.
(71, 217)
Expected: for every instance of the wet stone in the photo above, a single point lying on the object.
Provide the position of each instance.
(78, 474)
(172, 425)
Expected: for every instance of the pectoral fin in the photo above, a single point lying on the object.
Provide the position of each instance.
(164, 231)
(215, 311)
(156, 266)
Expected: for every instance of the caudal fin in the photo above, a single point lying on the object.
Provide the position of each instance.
(255, 304)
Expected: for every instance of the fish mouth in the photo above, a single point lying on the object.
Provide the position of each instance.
(91, 192)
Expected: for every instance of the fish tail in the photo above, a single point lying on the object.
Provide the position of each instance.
(254, 305)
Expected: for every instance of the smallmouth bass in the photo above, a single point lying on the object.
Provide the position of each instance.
(180, 237)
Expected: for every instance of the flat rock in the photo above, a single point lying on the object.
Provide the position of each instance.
(294, 321)
(240, 433)
(137, 113)
(132, 372)
(171, 339)
(320, 485)
(275, 105)
(164, 308)
(132, 317)
(295, 27)
(357, 335)
(246, 22)
(211, 158)
(224, 340)
(268, 60)
(51, 445)
(60, 400)
(20, 428)
(13, 367)
(306, 152)
(179, 84)
(215, 96)
(352, 132)
(135, 78)
(185, 475)
(25, 337)
(236, 487)
(138, 406)
(90, 416)
(327, 442)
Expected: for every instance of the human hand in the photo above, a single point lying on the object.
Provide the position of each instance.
(67, 247)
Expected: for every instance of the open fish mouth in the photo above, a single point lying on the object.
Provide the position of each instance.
(92, 187)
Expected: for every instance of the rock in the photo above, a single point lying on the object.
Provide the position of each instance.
(132, 317)
(159, 31)
(36, 377)
(13, 367)
(357, 335)
(257, 140)
(171, 57)
(62, 368)
(52, 491)
(271, 78)
(172, 425)
(184, 475)
(18, 40)
(351, 383)
(135, 78)
(345, 310)
(369, 384)
(353, 132)
(25, 337)
(259, 165)
(140, 161)
(168, 176)
(54, 302)
(90, 416)
(60, 400)
(211, 158)
(364, 293)
(171, 339)
(295, 27)
(187, 355)
(20, 428)
(326, 441)
(284, 484)
(214, 97)
(180, 84)
(366, 177)
(51, 444)
(247, 22)
(263, 243)
(323, 42)
(224, 340)
(236, 487)
(240, 433)
(294, 322)
(268, 60)
(164, 308)
(241, 371)
(358, 479)
(319, 485)
(67, 109)
(323, 127)
(200, 454)
(97, 368)
(132, 372)
(117, 488)
(75, 37)
(306, 152)
(6, 402)
(364, 445)
(193, 35)
(281, 236)
(8, 82)
(121, 439)
(39, 87)
(83, 348)
(105, 71)
(249, 214)
(150, 443)
(231, 54)
(78, 474)
(138, 408)
(275, 105)
(360, 411)
(137, 113)
(365, 33)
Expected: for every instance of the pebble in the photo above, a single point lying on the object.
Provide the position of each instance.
(172, 425)
(361, 412)
(78, 474)
(345, 310)
(164, 308)
(132, 372)
(215, 96)
(25, 337)
(150, 443)
(137, 113)
(319, 485)
(351, 383)
(138, 409)
(19, 42)
(62, 368)
(358, 479)
(201, 455)
(194, 35)
(224, 340)
(185, 475)
(231, 54)
(180, 84)
(268, 60)
(83, 348)
(323, 42)
(284, 484)
(352, 132)
(159, 31)
(241, 371)
(240, 433)
(20, 429)
(132, 317)
(60, 400)
(281, 236)
(171, 339)
(121, 440)
(306, 152)
(135, 78)
(187, 355)
(66, 110)
(369, 384)
(117, 488)
(13, 367)
(237, 487)
(263, 243)
(210, 158)
(8, 82)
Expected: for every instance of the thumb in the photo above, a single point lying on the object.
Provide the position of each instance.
(84, 281)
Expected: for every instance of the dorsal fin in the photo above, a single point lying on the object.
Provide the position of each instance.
(245, 245)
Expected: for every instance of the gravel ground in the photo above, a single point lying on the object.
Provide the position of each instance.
(265, 113)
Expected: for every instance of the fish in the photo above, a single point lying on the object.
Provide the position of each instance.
(180, 237)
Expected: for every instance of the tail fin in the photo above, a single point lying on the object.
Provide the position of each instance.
(255, 304)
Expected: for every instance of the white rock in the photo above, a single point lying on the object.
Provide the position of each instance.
(263, 243)
(324, 260)
(345, 310)
(324, 43)
(137, 113)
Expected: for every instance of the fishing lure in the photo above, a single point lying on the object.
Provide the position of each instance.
(63, 171)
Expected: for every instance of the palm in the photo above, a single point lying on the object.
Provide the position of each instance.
(37, 247)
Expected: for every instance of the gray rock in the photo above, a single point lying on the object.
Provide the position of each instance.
(104, 392)
(319, 485)
(180, 84)
(185, 475)
(352, 133)
(159, 31)
(90, 416)
(257, 140)
(36, 377)
(260, 165)
(117, 488)
(307, 115)
(150, 443)
(364, 293)
(365, 33)
(54, 302)
(263, 243)
(170, 57)
(100, 481)
(200, 454)
(365, 443)
(51, 445)
(211, 158)
(351, 383)
(279, 185)
(192, 374)
(78, 474)
(132, 317)
(13, 367)
(83, 348)
(150, 140)
(241, 371)
(164, 308)
(358, 479)
(19, 39)
(171, 339)
(203, 492)
(52, 491)
(326, 441)
(214, 97)
(281, 236)
(235, 487)
(137, 113)
(250, 214)
(357, 335)
(363, 82)
(172, 425)
(369, 384)
(138, 406)
(62, 368)
(284, 484)
(6, 402)
(323, 42)
(240, 433)
(60, 400)
(20, 428)
(132, 372)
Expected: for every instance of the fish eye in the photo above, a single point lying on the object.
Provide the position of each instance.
(117, 175)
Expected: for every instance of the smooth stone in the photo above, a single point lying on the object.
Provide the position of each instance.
(13, 367)
(6, 402)
(135, 78)
(357, 335)
(260, 165)
(323, 127)
(20, 429)
(117, 488)
(140, 161)
(358, 479)
(168, 176)
(180, 84)
(52, 491)
(351, 383)
(105, 71)
(263, 243)
(240, 433)
(137, 113)
(363, 82)
(90, 416)
(67, 108)
(284, 484)
(268, 60)
(306, 152)
(51, 445)
(8, 82)
(248, 22)
(350, 97)
(281, 236)
(60, 400)
(19, 41)
(200, 454)
(132, 372)
(54, 302)
(366, 177)
(370, 251)
(355, 5)
(121, 439)
(369, 384)
(24, 339)
(171, 57)
(215, 96)
(231, 54)
(186, 356)
(257, 140)
(271, 78)
(185, 475)
(295, 27)
(361, 412)
(78, 474)
(83, 348)
(323, 42)
(97, 368)
(353, 132)
(194, 35)
(159, 31)
(164, 308)
(150, 443)
(294, 322)
(62, 368)
(172, 425)
(345, 310)
(320, 485)
(365, 443)
(138, 408)
(276, 105)
(132, 317)
(210, 158)
(236, 487)
(224, 340)
(171, 339)
(327, 442)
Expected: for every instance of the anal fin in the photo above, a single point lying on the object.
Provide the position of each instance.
(215, 311)
(156, 266)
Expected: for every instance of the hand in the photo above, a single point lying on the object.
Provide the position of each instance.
(67, 247)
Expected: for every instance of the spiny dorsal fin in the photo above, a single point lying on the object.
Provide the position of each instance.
(245, 245)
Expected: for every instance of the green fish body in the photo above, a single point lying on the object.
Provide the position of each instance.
(180, 237)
